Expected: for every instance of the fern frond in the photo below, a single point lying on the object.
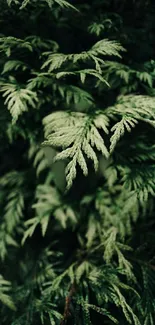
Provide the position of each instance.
(5, 287)
(141, 182)
(75, 94)
(114, 292)
(39, 80)
(49, 204)
(13, 211)
(12, 185)
(6, 240)
(40, 162)
(103, 312)
(147, 302)
(83, 74)
(146, 77)
(18, 99)
(112, 247)
(104, 47)
(45, 307)
(126, 78)
(14, 65)
(78, 138)
(8, 44)
(62, 3)
(132, 109)
(126, 123)
(119, 209)
(127, 310)
(41, 43)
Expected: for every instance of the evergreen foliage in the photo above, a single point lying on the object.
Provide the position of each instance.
(77, 172)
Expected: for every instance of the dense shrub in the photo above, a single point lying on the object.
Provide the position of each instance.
(77, 172)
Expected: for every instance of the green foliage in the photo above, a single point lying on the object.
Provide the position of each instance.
(10, 44)
(12, 210)
(36, 154)
(5, 287)
(48, 202)
(18, 99)
(103, 47)
(77, 175)
(24, 3)
(147, 302)
(80, 131)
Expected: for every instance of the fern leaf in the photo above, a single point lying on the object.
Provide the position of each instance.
(77, 140)
(65, 4)
(127, 123)
(14, 65)
(18, 99)
(5, 287)
(24, 4)
(103, 47)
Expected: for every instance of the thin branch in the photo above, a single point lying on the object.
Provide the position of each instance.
(67, 304)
